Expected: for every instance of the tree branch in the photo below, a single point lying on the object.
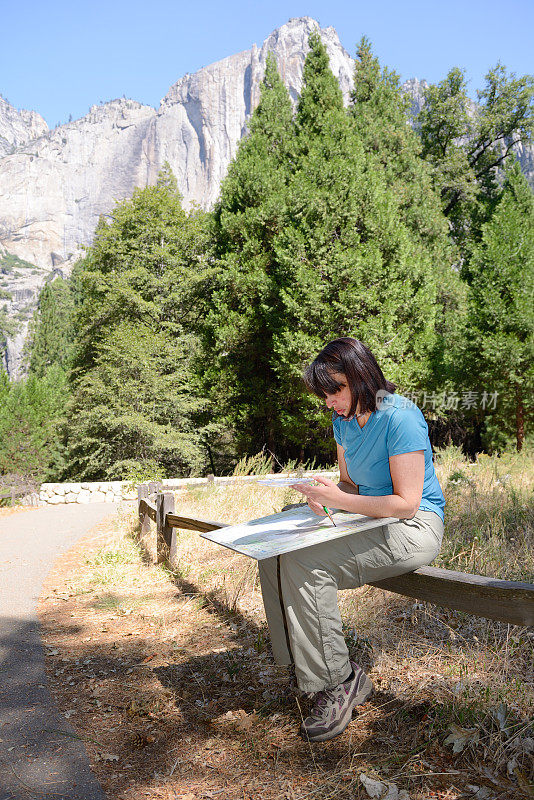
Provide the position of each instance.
(498, 161)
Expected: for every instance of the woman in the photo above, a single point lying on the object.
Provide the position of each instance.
(386, 470)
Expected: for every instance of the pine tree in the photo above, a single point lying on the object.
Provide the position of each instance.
(334, 257)
(134, 392)
(32, 409)
(8, 327)
(4, 389)
(50, 333)
(167, 179)
(247, 221)
(355, 266)
(30, 419)
(499, 356)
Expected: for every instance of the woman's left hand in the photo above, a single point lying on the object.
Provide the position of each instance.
(326, 494)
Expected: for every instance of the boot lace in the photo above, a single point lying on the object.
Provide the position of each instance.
(323, 699)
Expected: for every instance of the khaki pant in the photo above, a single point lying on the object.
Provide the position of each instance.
(306, 583)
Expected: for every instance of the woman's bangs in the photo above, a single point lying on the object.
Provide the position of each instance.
(321, 380)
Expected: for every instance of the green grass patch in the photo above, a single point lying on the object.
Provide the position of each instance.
(111, 564)
(9, 262)
(110, 602)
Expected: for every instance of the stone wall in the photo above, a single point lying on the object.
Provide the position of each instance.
(86, 492)
(116, 491)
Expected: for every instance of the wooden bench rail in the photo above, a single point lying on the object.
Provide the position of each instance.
(492, 598)
(506, 601)
(193, 523)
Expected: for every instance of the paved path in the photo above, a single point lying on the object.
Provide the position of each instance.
(34, 763)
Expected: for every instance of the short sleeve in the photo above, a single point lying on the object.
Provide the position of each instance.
(337, 429)
(407, 432)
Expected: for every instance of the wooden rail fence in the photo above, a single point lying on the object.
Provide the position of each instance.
(11, 493)
(506, 601)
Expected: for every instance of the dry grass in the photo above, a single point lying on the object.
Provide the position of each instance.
(172, 673)
(490, 514)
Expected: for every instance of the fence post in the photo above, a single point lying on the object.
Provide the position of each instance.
(152, 487)
(164, 506)
(144, 520)
(146, 537)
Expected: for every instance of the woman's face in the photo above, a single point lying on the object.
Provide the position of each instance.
(341, 400)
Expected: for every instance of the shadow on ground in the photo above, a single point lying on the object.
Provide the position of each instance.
(169, 722)
(40, 754)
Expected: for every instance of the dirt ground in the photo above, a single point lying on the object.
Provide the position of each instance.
(175, 696)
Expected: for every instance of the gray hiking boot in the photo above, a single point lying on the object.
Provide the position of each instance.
(332, 709)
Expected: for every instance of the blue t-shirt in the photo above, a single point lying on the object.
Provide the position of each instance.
(396, 427)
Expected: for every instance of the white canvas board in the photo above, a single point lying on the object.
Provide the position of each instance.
(290, 530)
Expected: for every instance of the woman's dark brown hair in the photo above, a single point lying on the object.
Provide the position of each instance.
(352, 358)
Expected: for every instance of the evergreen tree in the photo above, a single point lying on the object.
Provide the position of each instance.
(320, 104)
(32, 409)
(251, 211)
(30, 417)
(7, 325)
(142, 266)
(352, 265)
(499, 355)
(4, 386)
(134, 394)
(380, 113)
(167, 179)
(339, 260)
(50, 334)
(133, 410)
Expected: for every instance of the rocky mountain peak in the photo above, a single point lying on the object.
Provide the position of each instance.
(18, 127)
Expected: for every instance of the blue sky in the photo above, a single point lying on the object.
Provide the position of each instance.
(59, 57)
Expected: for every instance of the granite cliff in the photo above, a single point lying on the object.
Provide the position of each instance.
(54, 186)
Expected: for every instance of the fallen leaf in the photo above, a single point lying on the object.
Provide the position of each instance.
(381, 790)
(524, 783)
(500, 714)
(479, 792)
(461, 737)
